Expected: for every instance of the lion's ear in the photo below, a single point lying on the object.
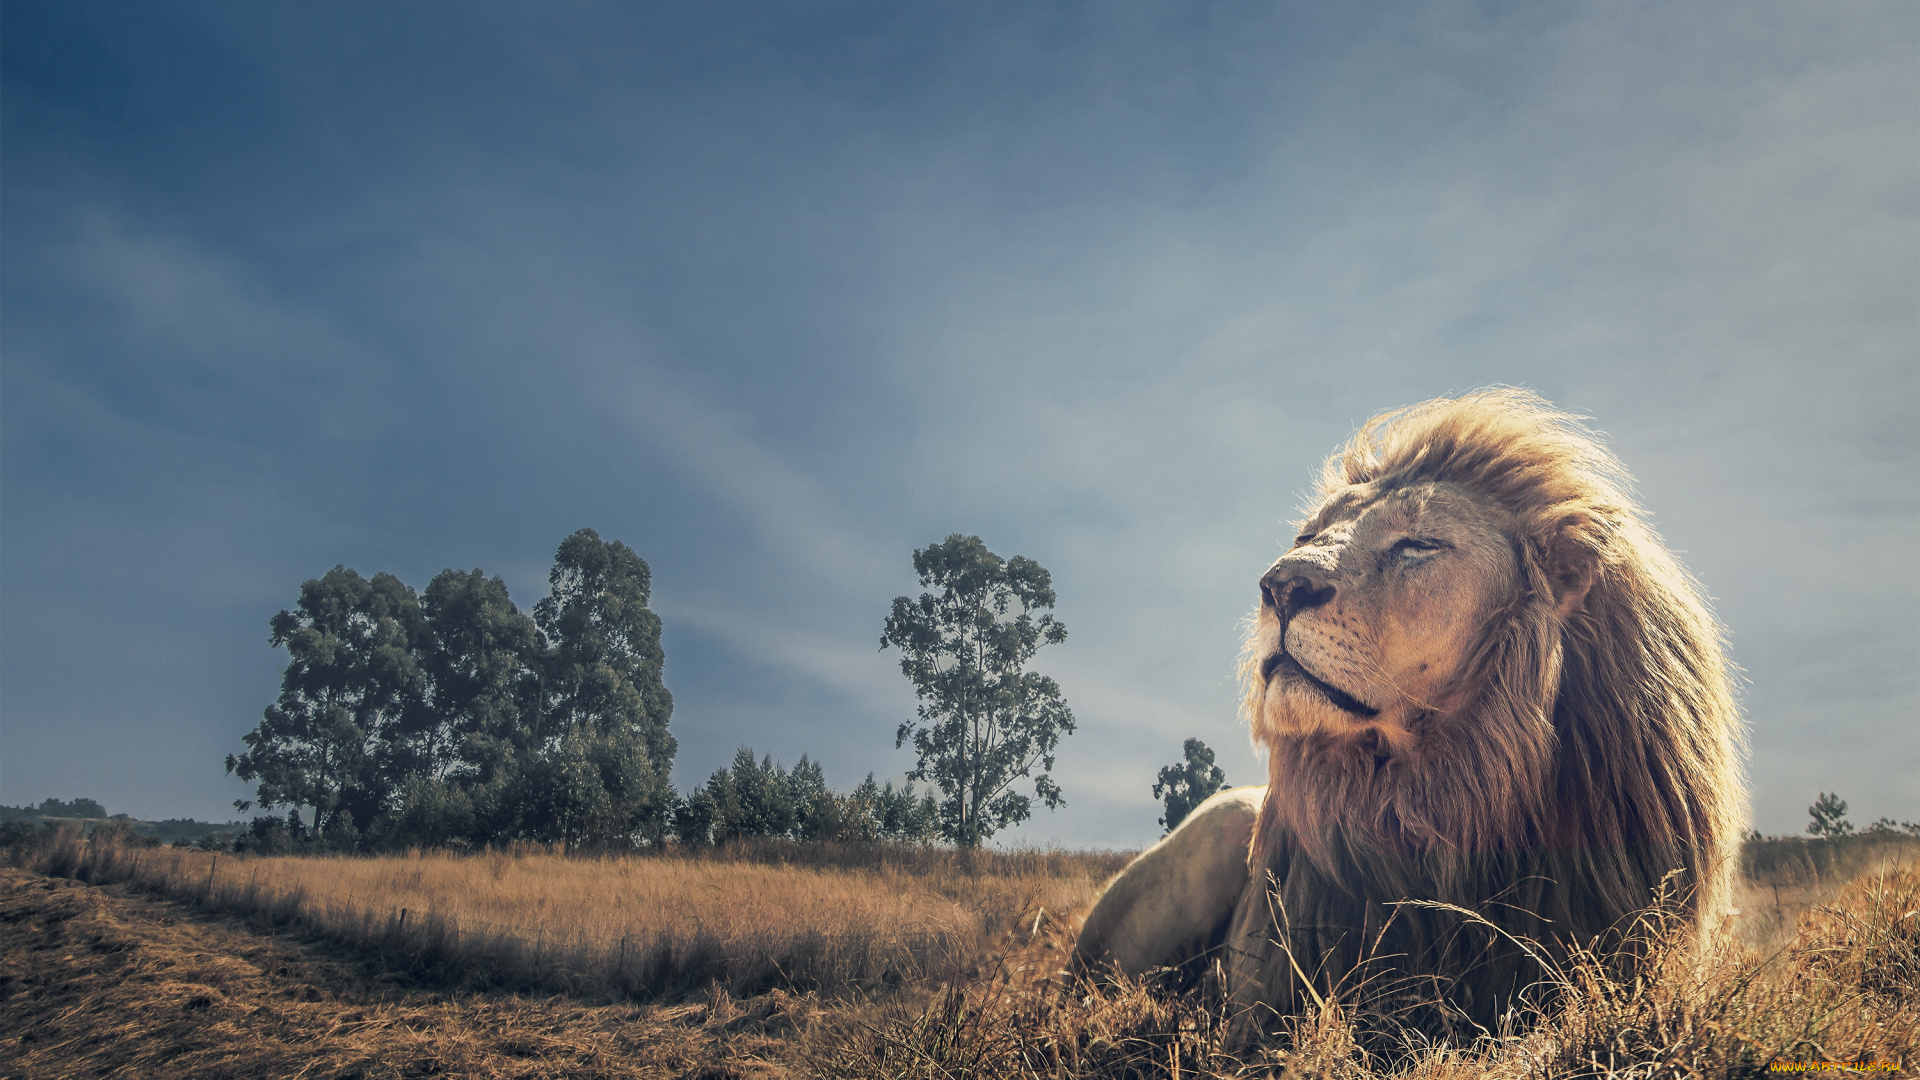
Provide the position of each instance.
(1572, 568)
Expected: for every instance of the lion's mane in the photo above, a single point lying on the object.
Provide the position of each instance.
(1596, 762)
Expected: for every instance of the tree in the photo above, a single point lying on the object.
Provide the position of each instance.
(483, 677)
(859, 814)
(603, 699)
(694, 818)
(902, 815)
(753, 798)
(817, 812)
(1829, 814)
(353, 691)
(1187, 785)
(605, 670)
(984, 721)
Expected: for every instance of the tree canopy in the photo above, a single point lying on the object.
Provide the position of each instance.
(351, 698)
(984, 722)
(1829, 817)
(1186, 784)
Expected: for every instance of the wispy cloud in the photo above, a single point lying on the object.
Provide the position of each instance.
(852, 666)
(797, 531)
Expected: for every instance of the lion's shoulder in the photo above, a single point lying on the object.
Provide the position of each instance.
(1165, 906)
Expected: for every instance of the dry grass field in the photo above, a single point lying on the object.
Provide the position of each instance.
(783, 961)
(651, 928)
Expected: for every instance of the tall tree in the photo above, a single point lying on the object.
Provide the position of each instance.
(1185, 785)
(694, 819)
(480, 661)
(900, 814)
(755, 798)
(984, 721)
(1829, 817)
(603, 700)
(483, 677)
(338, 737)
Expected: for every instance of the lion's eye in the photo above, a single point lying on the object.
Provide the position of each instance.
(1303, 538)
(1412, 548)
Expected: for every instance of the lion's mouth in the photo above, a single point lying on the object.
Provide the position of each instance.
(1285, 664)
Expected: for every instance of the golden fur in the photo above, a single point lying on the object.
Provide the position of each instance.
(1573, 749)
(1173, 903)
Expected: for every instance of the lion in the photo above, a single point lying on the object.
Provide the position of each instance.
(1483, 685)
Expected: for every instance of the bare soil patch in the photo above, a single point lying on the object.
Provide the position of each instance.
(98, 982)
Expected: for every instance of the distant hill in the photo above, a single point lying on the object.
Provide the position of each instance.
(89, 812)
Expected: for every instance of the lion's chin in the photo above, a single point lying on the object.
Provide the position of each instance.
(1296, 711)
(1293, 679)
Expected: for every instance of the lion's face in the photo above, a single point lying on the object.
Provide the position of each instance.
(1367, 625)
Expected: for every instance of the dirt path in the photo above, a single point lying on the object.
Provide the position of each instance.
(98, 982)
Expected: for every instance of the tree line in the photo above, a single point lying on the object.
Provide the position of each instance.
(760, 798)
(54, 808)
(450, 716)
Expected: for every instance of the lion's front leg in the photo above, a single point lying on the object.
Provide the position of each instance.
(1168, 904)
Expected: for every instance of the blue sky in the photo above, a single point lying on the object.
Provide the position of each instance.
(777, 293)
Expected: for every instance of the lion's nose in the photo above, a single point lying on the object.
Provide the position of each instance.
(1289, 595)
